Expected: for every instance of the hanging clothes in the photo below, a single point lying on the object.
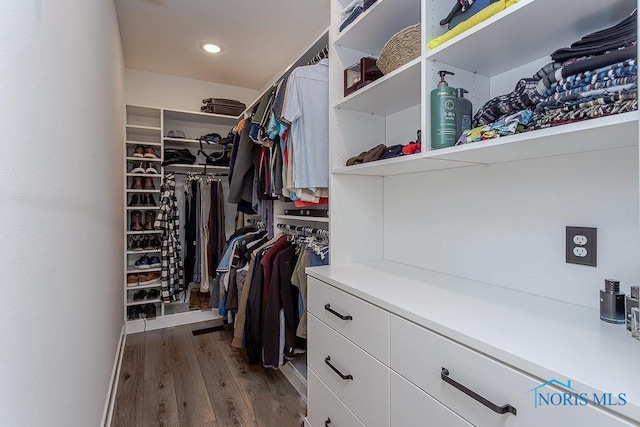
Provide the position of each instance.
(216, 226)
(168, 221)
(203, 245)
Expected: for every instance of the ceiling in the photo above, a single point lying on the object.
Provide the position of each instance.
(259, 37)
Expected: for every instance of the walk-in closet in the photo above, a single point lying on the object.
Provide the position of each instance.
(338, 213)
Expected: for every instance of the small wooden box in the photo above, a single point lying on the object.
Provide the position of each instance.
(360, 74)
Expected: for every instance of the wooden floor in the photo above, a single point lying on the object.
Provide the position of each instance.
(171, 378)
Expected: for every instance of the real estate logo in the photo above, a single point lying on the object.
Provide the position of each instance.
(572, 397)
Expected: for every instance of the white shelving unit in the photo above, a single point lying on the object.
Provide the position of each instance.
(492, 212)
(147, 126)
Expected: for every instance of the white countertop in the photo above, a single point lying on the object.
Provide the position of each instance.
(541, 336)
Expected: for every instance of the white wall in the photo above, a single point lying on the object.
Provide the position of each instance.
(180, 93)
(505, 224)
(61, 201)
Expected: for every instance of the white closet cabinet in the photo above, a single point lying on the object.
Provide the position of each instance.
(425, 268)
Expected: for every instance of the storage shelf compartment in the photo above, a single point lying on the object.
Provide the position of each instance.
(142, 159)
(181, 140)
(394, 92)
(475, 49)
(399, 166)
(617, 131)
(156, 144)
(302, 218)
(144, 130)
(198, 117)
(142, 301)
(199, 167)
(376, 25)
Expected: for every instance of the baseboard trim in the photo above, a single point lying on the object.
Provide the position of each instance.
(297, 380)
(107, 413)
(169, 320)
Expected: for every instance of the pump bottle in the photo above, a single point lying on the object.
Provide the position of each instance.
(443, 114)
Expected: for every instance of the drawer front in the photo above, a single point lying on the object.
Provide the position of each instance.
(365, 390)
(419, 355)
(411, 406)
(325, 409)
(368, 326)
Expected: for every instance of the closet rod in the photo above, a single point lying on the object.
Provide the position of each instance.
(214, 174)
(303, 230)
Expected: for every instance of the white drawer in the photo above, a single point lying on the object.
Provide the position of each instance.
(368, 325)
(325, 409)
(365, 390)
(411, 406)
(420, 355)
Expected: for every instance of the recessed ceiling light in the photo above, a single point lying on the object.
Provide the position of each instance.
(211, 47)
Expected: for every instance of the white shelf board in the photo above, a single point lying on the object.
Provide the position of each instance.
(144, 231)
(135, 288)
(145, 270)
(136, 110)
(142, 159)
(180, 140)
(145, 175)
(143, 191)
(376, 25)
(157, 144)
(199, 117)
(143, 302)
(399, 166)
(617, 131)
(475, 49)
(199, 167)
(140, 208)
(144, 130)
(394, 92)
(144, 252)
(302, 218)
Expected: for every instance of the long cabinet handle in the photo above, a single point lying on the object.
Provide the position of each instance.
(344, 377)
(335, 313)
(326, 423)
(444, 375)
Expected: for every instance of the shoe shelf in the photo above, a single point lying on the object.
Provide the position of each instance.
(143, 252)
(201, 118)
(302, 218)
(145, 175)
(157, 144)
(140, 208)
(144, 232)
(135, 288)
(181, 140)
(144, 270)
(141, 128)
(199, 167)
(142, 191)
(143, 302)
(142, 159)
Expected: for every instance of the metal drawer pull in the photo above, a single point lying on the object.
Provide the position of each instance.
(344, 377)
(326, 423)
(444, 374)
(335, 313)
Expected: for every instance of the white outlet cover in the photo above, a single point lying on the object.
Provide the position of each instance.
(580, 251)
(579, 239)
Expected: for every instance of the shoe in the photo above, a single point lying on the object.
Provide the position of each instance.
(143, 263)
(133, 279)
(136, 243)
(133, 313)
(152, 243)
(136, 221)
(150, 153)
(136, 200)
(141, 294)
(150, 168)
(150, 311)
(139, 151)
(153, 294)
(149, 220)
(138, 168)
(136, 183)
(148, 184)
(148, 278)
(148, 200)
(154, 261)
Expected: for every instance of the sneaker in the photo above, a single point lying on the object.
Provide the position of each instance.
(136, 200)
(136, 221)
(150, 153)
(139, 151)
(138, 168)
(149, 278)
(150, 311)
(136, 243)
(143, 263)
(154, 261)
(152, 243)
(140, 295)
(153, 294)
(149, 220)
(133, 313)
(148, 184)
(133, 279)
(151, 168)
(149, 200)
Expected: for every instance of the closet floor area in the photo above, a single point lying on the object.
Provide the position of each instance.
(169, 377)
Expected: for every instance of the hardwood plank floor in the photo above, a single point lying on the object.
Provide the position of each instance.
(172, 378)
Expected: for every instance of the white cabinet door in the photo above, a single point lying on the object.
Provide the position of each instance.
(325, 409)
(420, 356)
(356, 377)
(411, 406)
(366, 325)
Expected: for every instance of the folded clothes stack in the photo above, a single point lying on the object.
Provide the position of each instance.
(350, 13)
(594, 77)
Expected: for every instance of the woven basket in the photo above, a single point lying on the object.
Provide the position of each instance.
(400, 49)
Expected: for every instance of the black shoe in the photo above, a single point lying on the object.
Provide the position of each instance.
(136, 243)
(153, 294)
(148, 200)
(150, 311)
(133, 313)
(141, 294)
(136, 200)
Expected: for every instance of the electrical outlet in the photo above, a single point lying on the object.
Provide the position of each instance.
(581, 245)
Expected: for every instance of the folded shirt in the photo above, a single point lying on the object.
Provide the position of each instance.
(352, 17)
(523, 96)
